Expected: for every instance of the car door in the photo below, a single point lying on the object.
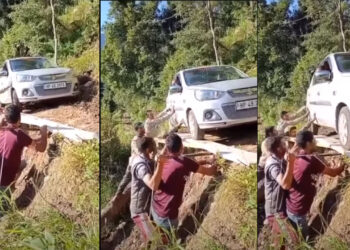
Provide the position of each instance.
(319, 96)
(173, 100)
(5, 97)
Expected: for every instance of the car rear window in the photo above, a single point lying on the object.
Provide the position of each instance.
(343, 62)
(212, 74)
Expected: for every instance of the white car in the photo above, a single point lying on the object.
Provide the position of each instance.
(328, 96)
(212, 97)
(33, 79)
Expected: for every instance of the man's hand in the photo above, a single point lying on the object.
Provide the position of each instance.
(43, 130)
(162, 159)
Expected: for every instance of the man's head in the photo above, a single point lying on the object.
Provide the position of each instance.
(270, 131)
(276, 145)
(174, 144)
(306, 141)
(139, 128)
(13, 114)
(292, 131)
(146, 146)
(150, 114)
(285, 115)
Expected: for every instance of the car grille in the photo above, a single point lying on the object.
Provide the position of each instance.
(47, 92)
(244, 92)
(231, 112)
(52, 77)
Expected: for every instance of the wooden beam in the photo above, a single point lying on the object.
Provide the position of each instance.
(330, 142)
(230, 153)
(67, 131)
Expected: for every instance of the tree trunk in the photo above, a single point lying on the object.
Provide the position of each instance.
(54, 31)
(341, 24)
(213, 33)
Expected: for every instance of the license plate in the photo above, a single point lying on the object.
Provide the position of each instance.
(247, 104)
(55, 85)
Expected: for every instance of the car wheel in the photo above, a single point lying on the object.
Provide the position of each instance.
(15, 100)
(195, 131)
(344, 127)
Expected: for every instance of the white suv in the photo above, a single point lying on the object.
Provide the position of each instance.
(33, 79)
(328, 96)
(212, 97)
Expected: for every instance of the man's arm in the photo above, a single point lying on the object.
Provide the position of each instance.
(297, 120)
(285, 181)
(41, 143)
(210, 171)
(5, 88)
(333, 171)
(153, 181)
(296, 114)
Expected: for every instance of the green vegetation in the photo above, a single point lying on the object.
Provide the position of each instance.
(73, 179)
(146, 45)
(232, 215)
(26, 30)
(291, 45)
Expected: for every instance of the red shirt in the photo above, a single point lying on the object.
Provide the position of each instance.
(12, 142)
(168, 198)
(303, 190)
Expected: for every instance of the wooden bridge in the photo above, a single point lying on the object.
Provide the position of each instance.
(229, 153)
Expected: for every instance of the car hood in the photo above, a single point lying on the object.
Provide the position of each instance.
(228, 85)
(40, 72)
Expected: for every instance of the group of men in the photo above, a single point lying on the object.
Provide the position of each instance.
(289, 178)
(12, 142)
(157, 180)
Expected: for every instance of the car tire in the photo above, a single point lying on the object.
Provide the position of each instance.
(195, 131)
(344, 127)
(14, 98)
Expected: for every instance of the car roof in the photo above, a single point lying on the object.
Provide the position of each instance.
(25, 57)
(208, 66)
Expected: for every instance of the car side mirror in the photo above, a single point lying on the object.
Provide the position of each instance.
(175, 89)
(3, 73)
(323, 75)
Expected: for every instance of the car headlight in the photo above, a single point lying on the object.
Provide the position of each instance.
(25, 78)
(203, 95)
(244, 92)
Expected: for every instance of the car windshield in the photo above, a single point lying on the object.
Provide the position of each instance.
(211, 74)
(30, 63)
(343, 62)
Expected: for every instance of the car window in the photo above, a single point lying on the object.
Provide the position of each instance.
(4, 68)
(343, 62)
(30, 64)
(205, 75)
(325, 65)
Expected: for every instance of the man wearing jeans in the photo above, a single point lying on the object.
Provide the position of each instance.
(167, 200)
(144, 179)
(306, 169)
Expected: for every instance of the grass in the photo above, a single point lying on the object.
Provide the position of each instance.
(232, 220)
(73, 179)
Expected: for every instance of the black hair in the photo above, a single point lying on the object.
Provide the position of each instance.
(269, 131)
(145, 143)
(12, 113)
(273, 143)
(173, 143)
(283, 113)
(303, 137)
(138, 125)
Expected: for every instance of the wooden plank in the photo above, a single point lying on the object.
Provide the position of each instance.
(331, 142)
(69, 132)
(229, 153)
